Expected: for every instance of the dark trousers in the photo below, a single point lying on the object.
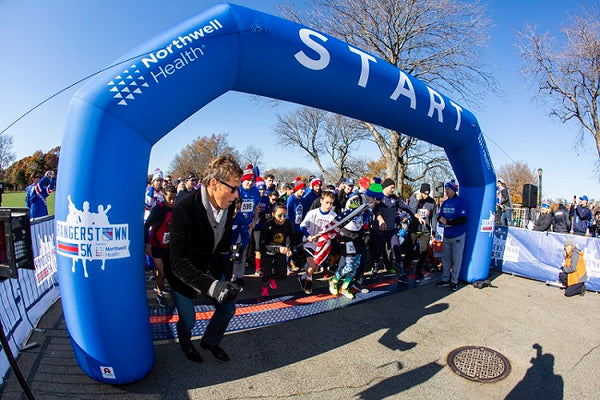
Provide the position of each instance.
(273, 266)
(385, 243)
(416, 244)
(218, 323)
(298, 255)
(571, 290)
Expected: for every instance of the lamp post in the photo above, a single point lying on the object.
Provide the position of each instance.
(540, 172)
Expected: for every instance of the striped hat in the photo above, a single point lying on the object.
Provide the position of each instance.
(248, 173)
(299, 184)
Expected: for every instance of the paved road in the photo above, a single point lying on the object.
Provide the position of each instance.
(392, 347)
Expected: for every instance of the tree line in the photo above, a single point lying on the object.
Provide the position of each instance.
(20, 174)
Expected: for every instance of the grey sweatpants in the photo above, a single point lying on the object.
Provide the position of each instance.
(452, 254)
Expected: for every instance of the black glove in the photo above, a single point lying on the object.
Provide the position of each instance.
(223, 292)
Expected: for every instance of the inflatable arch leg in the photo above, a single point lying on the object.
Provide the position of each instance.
(116, 119)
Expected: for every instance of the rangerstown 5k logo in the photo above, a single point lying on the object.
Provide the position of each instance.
(131, 83)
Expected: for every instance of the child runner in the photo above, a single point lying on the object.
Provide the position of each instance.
(250, 197)
(276, 242)
(311, 227)
(156, 243)
(295, 213)
(263, 205)
(352, 244)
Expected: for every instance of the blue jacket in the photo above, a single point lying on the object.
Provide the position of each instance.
(295, 212)
(239, 231)
(582, 217)
(35, 197)
(455, 212)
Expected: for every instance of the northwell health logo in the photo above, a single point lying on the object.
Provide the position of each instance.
(179, 53)
(127, 85)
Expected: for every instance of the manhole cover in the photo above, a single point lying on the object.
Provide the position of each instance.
(479, 364)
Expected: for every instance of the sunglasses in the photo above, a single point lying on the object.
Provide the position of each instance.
(232, 188)
(281, 215)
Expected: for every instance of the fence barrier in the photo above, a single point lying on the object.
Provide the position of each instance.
(25, 299)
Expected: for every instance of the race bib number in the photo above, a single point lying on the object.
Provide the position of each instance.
(350, 249)
(423, 212)
(166, 237)
(247, 206)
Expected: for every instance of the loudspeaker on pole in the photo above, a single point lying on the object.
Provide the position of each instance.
(530, 194)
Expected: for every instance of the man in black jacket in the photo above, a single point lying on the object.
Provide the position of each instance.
(200, 248)
(561, 222)
(419, 229)
(505, 203)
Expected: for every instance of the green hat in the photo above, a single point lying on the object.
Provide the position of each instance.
(375, 190)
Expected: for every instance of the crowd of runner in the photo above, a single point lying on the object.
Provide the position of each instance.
(277, 227)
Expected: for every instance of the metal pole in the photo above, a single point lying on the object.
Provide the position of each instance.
(540, 172)
(13, 364)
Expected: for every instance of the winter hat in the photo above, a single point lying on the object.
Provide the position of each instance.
(452, 185)
(314, 182)
(157, 174)
(425, 188)
(569, 242)
(299, 184)
(364, 182)
(388, 182)
(375, 190)
(248, 173)
(260, 183)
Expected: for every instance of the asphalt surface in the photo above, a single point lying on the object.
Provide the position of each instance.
(391, 347)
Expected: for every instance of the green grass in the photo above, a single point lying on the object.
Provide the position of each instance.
(17, 199)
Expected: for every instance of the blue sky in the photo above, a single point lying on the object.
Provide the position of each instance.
(48, 45)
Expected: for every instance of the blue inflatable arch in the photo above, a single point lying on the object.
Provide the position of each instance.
(116, 119)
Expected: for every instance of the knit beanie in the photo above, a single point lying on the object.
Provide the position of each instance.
(248, 173)
(388, 182)
(157, 174)
(425, 188)
(299, 184)
(375, 190)
(364, 182)
(569, 242)
(314, 182)
(452, 185)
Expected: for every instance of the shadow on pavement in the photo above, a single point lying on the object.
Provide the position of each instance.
(53, 372)
(540, 381)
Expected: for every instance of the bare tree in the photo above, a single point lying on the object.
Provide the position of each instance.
(194, 157)
(328, 139)
(251, 155)
(7, 154)
(437, 41)
(567, 77)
